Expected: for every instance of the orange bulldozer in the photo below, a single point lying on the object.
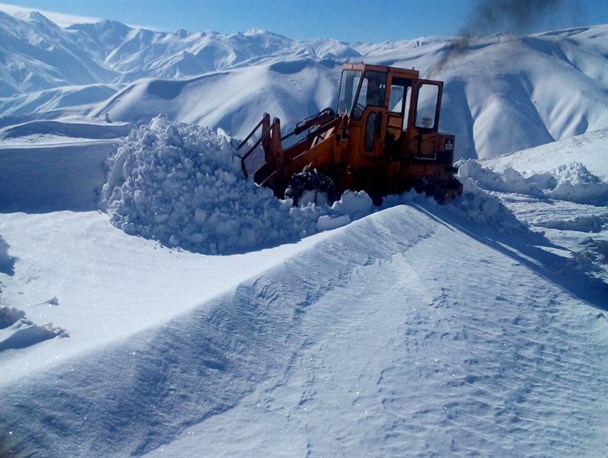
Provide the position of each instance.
(383, 138)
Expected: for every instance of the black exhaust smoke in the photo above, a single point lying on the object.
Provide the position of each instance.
(515, 16)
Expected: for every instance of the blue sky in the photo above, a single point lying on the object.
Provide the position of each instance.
(345, 20)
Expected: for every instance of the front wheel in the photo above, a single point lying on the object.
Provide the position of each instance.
(309, 187)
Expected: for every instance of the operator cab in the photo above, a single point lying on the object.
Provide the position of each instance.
(392, 103)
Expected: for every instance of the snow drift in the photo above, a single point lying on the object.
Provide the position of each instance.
(373, 339)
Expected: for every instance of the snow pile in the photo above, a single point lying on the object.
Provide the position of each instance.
(572, 182)
(352, 205)
(576, 184)
(178, 184)
(510, 180)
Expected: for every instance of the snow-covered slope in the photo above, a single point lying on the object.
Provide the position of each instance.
(502, 94)
(290, 90)
(343, 347)
(132, 53)
(369, 337)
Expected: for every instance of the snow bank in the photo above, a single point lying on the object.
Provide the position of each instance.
(180, 184)
(572, 182)
(66, 128)
(575, 183)
(508, 181)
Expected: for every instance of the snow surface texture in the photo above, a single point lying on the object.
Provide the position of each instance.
(502, 93)
(15, 330)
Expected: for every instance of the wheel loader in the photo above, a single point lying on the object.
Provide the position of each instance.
(382, 138)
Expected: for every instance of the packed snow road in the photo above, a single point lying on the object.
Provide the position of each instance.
(399, 333)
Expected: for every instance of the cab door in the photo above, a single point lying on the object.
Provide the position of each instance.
(370, 111)
(398, 112)
(374, 132)
(425, 119)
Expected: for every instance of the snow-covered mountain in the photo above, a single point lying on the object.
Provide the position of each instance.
(502, 94)
(154, 302)
(38, 55)
(128, 54)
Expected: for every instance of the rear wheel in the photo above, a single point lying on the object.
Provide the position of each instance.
(309, 187)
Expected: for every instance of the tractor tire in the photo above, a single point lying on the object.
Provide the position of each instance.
(309, 187)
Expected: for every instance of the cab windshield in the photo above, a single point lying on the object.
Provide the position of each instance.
(348, 91)
(371, 92)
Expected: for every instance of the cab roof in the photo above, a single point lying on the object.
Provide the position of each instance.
(396, 71)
